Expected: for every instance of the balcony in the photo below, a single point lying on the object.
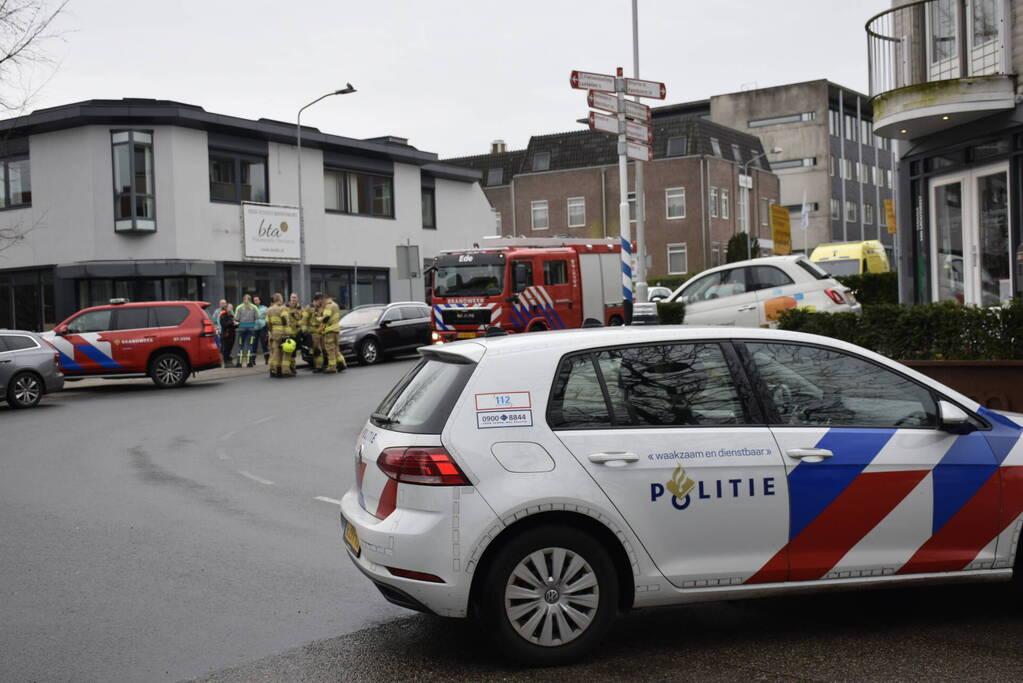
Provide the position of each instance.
(937, 64)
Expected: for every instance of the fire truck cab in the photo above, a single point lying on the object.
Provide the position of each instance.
(526, 285)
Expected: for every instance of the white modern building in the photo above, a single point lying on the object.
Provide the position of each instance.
(151, 199)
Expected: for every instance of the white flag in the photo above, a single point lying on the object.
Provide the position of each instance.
(804, 222)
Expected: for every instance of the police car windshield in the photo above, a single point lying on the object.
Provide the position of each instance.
(843, 267)
(362, 316)
(470, 279)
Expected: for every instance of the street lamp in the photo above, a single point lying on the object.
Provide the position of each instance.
(745, 208)
(301, 212)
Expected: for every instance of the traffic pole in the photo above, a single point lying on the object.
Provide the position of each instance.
(641, 283)
(623, 203)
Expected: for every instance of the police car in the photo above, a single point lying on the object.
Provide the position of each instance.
(547, 483)
(163, 340)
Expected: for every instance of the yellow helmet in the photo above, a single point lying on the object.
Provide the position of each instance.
(288, 345)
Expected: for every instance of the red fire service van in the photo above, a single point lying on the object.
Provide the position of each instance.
(526, 285)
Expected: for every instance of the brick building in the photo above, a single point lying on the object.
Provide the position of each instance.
(566, 184)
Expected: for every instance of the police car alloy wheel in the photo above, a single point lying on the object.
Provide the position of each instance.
(550, 595)
(25, 391)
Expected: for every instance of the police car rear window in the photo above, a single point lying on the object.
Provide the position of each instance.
(813, 269)
(421, 402)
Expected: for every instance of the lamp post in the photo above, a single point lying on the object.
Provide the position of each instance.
(745, 207)
(301, 212)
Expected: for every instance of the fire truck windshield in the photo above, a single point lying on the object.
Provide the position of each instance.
(470, 279)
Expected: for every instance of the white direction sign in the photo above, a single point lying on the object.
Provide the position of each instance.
(638, 151)
(639, 132)
(640, 88)
(603, 123)
(608, 102)
(584, 80)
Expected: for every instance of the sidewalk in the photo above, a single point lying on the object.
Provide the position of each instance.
(213, 375)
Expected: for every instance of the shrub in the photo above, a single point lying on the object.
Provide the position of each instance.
(736, 250)
(873, 288)
(941, 331)
(671, 312)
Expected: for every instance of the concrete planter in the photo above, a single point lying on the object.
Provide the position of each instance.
(996, 384)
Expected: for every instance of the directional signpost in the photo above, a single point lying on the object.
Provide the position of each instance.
(631, 125)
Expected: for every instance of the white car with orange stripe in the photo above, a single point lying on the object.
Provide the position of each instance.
(547, 483)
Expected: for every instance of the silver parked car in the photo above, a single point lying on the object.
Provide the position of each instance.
(28, 369)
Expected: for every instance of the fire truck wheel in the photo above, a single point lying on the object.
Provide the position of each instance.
(537, 327)
(615, 321)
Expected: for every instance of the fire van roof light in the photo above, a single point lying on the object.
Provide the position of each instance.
(115, 302)
(422, 466)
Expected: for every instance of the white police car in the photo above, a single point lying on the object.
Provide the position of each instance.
(546, 483)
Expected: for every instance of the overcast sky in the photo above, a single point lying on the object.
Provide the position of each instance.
(449, 76)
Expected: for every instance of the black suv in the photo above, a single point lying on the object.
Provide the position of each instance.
(374, 331)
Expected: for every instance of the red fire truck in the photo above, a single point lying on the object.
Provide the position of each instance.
(526, 285)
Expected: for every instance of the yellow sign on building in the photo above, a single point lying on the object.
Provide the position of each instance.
(889, 215)
(781, 230)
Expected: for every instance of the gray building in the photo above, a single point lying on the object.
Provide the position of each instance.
(830, 157)
(944, 84)
(148, 199)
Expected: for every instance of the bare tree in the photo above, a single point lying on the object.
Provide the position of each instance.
(26, 28)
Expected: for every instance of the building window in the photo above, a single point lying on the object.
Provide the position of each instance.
(237, 177)
(632, 207)
(724, 203)
(713, 202)
(17, 182)
(497, 221)
(850, 211)
(882, 217)
(736, 154)
(678, 259)
(677, 146)
(836, 209)
(715, 147)
(865, 132)
(811, 207)
(831, 165)
(542, 161)
(793, 163)
(675, 203)
(868, 214)
(850, 127)
(495, 176)
(359, 193)
(743, 211)
(846, 169)
(576, 212)
(874, 175)
(888, 178)
(765, 211)
(134, 194)
(834, 122)
(429, 209)
(787, 118)
(539, 215)
(715, 254)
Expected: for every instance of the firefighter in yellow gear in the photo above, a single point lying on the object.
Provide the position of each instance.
(293, 325)
(276, 331)
(312, 329)
(330, 328)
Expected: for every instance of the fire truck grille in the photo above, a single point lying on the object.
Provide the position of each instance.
(466, 316)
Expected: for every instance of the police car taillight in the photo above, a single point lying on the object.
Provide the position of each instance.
(423, 466)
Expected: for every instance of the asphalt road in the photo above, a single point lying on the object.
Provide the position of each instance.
(165, 535)
(161, 535)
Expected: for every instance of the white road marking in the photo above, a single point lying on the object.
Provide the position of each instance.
(222, 454)
(324, 499)
(262, 420)
(258, 480)
(228, 435)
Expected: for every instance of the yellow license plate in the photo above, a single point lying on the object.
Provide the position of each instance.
(352, 539)
(466, 335)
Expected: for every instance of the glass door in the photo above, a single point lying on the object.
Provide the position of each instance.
(970, 258)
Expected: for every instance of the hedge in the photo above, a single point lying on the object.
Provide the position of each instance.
(672, 282)
(671, 312)
(873, 288)
(939, 331)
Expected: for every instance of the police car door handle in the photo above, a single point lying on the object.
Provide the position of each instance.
(809, 454)
(750, 307)
(605, 458)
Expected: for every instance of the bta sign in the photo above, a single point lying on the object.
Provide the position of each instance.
(271, 232)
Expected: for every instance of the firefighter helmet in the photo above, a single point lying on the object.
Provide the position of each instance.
(289, 345)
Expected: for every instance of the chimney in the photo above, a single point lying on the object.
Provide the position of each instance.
(498, 146)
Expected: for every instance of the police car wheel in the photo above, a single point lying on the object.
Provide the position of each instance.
(24, 390)
(369, 352)
(550, 596)
(169, 370)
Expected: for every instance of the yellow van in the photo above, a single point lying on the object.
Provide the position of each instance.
(851, 258)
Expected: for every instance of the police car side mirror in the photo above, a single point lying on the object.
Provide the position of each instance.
(954, 419)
